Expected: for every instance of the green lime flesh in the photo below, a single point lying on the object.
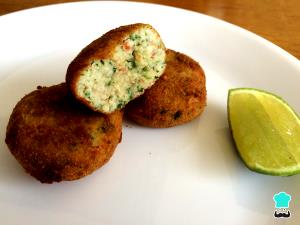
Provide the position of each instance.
(266, 131)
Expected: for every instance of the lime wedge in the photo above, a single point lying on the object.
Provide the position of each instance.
(266, 131)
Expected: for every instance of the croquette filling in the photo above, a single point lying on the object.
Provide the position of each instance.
(135, 65)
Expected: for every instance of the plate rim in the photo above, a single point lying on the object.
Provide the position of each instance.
(247, 33)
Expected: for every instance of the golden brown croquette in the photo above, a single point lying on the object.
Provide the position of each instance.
(55, 138)
(176, 98)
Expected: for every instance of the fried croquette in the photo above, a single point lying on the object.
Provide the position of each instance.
(177, 97)
(55, 138)
(117, 67)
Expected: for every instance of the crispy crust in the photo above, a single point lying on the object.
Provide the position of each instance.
(176, 98)
(55, 138)
(101, 48)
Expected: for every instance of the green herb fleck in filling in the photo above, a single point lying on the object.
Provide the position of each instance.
(130, 95)
(145, 69)
(121, 104)
(134, 37)
(109, 83)
(87, 94)
(140, 89)
(131, 64)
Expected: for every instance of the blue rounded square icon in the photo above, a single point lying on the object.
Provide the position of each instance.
(282, 200)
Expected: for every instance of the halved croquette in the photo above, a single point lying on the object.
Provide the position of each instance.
(117, 67)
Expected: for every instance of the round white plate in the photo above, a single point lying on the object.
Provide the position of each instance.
(188, 174)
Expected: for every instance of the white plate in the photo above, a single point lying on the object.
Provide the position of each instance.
(189, 174)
